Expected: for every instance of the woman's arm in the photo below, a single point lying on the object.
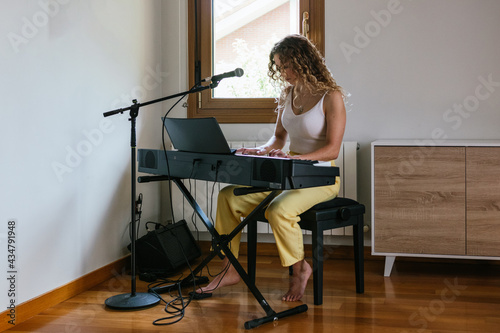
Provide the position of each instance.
(276, 142)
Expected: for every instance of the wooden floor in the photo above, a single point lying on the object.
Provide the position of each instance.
(418, 297)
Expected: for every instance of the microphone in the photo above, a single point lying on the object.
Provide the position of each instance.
(216, 78)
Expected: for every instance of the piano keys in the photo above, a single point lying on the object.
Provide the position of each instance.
(247, 170)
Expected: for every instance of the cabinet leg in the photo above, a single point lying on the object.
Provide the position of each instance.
(389, 262)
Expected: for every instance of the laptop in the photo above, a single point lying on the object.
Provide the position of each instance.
(197, 135)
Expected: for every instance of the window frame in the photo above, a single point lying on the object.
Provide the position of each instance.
(236, 110)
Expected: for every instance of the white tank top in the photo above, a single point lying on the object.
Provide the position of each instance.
(307, 131)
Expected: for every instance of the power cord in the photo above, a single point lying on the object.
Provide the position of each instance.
(138, 213)
(217, 167)
(193, 215)
(176, 307)
(165, 146)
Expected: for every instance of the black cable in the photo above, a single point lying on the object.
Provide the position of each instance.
(193, 215)
(223, 272)
(197, 62)
(138, 212)
(165, 146)
(155, 223)
(178, 304)
(212, 202)
(178, 313)
(138, 221)
(212, 194)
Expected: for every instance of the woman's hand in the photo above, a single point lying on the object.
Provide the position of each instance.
(252, 151)
(278, 153)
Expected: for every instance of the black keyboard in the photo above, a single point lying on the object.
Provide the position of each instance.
(249, 170)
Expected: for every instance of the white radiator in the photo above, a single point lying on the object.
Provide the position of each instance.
(206, 193)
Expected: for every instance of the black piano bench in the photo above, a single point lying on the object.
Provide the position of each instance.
(336, 213)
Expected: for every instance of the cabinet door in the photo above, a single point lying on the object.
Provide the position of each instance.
(419, 200)
(483, 201)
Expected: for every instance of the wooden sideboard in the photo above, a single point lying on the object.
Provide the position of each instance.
(435, 199)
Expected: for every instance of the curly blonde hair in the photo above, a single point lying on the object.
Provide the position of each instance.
(306, 61)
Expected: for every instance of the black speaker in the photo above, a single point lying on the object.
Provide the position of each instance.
(267, 169)
(166, 249)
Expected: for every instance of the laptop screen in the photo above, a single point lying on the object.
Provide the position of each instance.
(197, 135)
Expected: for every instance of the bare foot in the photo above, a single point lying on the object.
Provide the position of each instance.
(229, 278)
(301, 273)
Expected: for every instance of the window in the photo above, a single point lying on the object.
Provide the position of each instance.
(229, 34)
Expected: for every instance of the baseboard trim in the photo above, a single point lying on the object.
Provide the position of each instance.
(34, 306)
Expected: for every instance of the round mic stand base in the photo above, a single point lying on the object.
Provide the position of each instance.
(132, 301)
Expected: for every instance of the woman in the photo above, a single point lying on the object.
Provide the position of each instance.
(311, 113)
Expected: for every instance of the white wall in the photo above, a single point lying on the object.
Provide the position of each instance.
(417, 73)
(65, 168)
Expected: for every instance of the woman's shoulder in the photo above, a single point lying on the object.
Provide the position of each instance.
(333, 94)
(333, 100)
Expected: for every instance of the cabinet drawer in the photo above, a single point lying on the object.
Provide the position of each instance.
(483, 201)
(419, 200)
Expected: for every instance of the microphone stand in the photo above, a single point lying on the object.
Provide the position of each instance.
(135, 300)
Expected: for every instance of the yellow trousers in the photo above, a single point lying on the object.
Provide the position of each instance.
(282, 213)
